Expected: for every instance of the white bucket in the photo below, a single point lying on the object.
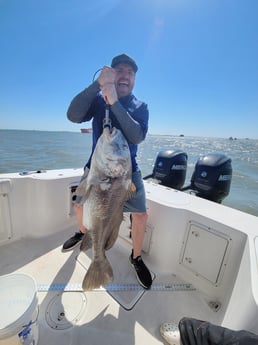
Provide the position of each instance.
(19, 310)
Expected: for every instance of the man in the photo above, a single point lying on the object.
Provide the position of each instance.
(114, 87)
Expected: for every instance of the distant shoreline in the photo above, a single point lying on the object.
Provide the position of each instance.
(149, 134)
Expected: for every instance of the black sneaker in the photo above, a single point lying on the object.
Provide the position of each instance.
(73, 241)
(142, 272)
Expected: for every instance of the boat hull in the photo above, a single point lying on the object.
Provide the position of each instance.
(189, 241)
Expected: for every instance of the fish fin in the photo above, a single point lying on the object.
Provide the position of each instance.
(115, 226)
(112, 239)
(131, 191)
(83, 190)
(99, 274)
(86, 242)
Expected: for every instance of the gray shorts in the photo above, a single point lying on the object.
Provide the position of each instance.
(134, 204)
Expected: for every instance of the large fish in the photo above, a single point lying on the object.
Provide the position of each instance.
(107, 187)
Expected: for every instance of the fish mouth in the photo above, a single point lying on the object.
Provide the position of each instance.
(107, 130)
(113, 131)
(110, 131)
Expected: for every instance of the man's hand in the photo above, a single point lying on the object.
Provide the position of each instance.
(107, 75)
(107, 84)
(109, 93)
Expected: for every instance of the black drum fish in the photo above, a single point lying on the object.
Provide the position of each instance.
(107, 187)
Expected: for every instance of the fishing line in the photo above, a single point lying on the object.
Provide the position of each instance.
(94, 75)
(106, 120)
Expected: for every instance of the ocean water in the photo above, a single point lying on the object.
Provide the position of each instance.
(39, 150)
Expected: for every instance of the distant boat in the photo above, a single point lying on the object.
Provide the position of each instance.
(86, 130)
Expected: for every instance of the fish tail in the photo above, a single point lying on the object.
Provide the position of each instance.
(99, 274)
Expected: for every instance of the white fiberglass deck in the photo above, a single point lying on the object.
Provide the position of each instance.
(95, 317)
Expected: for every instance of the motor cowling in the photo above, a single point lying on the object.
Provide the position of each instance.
(212, 177)
(170, 168)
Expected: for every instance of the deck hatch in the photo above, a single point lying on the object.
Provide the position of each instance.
(205, 252)
(65, 309)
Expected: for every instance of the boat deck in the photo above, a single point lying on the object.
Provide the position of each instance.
(110, 317)
(187, 240)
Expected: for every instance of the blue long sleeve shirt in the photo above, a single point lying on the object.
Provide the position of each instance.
(127, 114)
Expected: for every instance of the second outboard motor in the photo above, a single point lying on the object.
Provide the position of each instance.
(212, 176)
(170, 168)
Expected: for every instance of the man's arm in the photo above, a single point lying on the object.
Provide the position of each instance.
(131, 128)
(77, 111)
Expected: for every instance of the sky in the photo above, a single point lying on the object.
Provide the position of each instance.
(198, 61)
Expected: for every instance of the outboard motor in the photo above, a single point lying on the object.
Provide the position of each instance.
(212, 176)
(170, 168)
